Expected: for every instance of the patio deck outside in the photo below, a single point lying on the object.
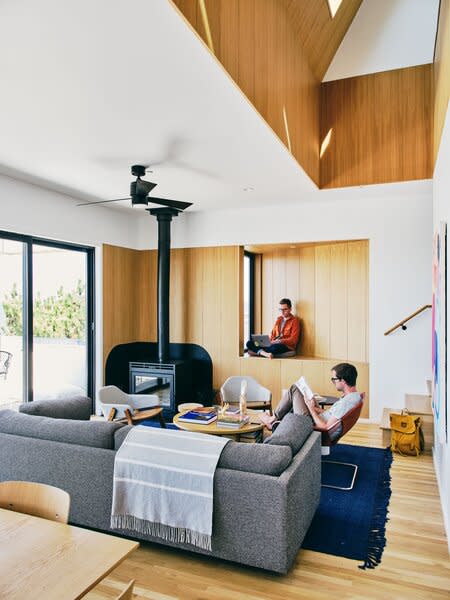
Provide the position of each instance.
(59, 313)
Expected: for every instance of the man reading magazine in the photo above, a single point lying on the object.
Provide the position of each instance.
(300, 400)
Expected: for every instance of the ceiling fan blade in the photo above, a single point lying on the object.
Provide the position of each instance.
(103, 201)
(144, 187)
(172, 203)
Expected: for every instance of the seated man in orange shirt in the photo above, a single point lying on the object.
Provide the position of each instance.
(284, 335)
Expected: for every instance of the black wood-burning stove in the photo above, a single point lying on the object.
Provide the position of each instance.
(170, 381)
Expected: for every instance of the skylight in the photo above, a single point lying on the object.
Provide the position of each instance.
(334, 5)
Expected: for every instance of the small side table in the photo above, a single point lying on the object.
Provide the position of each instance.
(327, 401)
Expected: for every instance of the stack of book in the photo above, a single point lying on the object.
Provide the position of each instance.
(232, 420)
(199, 416)
(251, 437)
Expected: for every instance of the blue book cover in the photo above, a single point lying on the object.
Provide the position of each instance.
(201, 417)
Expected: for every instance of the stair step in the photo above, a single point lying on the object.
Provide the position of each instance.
(418, 403)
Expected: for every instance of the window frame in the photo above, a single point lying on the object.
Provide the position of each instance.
(251, 299)
(27, 295)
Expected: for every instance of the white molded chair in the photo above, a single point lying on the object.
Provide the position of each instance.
(257, 395)
(113, 401)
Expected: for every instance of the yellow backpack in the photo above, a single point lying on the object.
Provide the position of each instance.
(406, 434)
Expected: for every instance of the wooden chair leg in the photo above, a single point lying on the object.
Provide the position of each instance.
(112, 414)
(129, 416)
(162, 422)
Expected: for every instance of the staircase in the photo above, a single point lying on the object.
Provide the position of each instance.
(416, 404)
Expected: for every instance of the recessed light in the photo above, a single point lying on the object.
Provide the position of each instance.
(248, 189)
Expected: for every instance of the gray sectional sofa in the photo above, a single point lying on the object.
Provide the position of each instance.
(276, 482)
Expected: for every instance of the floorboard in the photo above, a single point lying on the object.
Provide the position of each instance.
(415, 563)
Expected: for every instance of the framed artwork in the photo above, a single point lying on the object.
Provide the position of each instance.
(439, 335)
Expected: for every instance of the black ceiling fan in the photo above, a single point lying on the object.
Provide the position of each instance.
(139, 193)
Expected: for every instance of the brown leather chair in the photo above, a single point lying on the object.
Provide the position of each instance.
(329, 439)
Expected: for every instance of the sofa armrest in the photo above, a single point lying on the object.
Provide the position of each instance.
(77, 407)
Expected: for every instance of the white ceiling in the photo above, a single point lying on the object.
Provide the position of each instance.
(386, 35)
(90, 87)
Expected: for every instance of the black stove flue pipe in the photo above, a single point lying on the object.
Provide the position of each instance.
(164, 217)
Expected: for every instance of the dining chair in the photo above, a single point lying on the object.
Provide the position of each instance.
(37, 499)
(132, 408)
(258, 397)
(127, 593)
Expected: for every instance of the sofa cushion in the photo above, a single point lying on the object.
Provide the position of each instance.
(76, 407)
(99, 434)
(292, 431)
(255, 458)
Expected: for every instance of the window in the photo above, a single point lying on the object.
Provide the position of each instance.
(249, 295)
(46, 319)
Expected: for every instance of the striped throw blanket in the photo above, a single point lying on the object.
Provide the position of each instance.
(163, 484)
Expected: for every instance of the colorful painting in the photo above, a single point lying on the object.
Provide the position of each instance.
(439, 334)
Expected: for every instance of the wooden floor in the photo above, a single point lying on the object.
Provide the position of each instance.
(415, 562)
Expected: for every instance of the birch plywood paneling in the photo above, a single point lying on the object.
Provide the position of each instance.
(279, 374)
(380, 128)
(358, 300)
(120, 297)
(255, 42)
(328, 286)
(306, 300)
(339, 315)
(323, 300)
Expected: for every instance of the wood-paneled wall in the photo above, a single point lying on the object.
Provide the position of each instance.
(278, 375)
(328, 285)
(441, 73)
(380, 128)
(256, 44)
(207, 307)
(126, 283)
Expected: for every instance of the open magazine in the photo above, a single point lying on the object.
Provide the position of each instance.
(303, 386)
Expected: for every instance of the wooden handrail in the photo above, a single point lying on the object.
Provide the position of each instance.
(402, 323)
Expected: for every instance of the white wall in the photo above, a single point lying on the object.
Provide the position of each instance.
(397, 219)
(385, 35)
(441, 212)
(30, 209)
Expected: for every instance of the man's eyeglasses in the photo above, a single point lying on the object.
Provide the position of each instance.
(335, 378)
(283, 309)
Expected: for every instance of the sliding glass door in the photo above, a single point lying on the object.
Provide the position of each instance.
(51, 314)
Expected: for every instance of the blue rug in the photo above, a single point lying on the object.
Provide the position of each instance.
(155, 423)
(353, 524)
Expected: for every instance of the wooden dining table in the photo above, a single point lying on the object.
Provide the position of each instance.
(42, 559)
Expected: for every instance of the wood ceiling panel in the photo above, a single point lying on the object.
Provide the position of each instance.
(379, 127)
(319, 34)
(256, 44)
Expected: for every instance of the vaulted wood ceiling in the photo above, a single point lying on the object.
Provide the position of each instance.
(319, 34)
(277, 51)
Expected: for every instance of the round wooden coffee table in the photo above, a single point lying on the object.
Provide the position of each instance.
(215, 429)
